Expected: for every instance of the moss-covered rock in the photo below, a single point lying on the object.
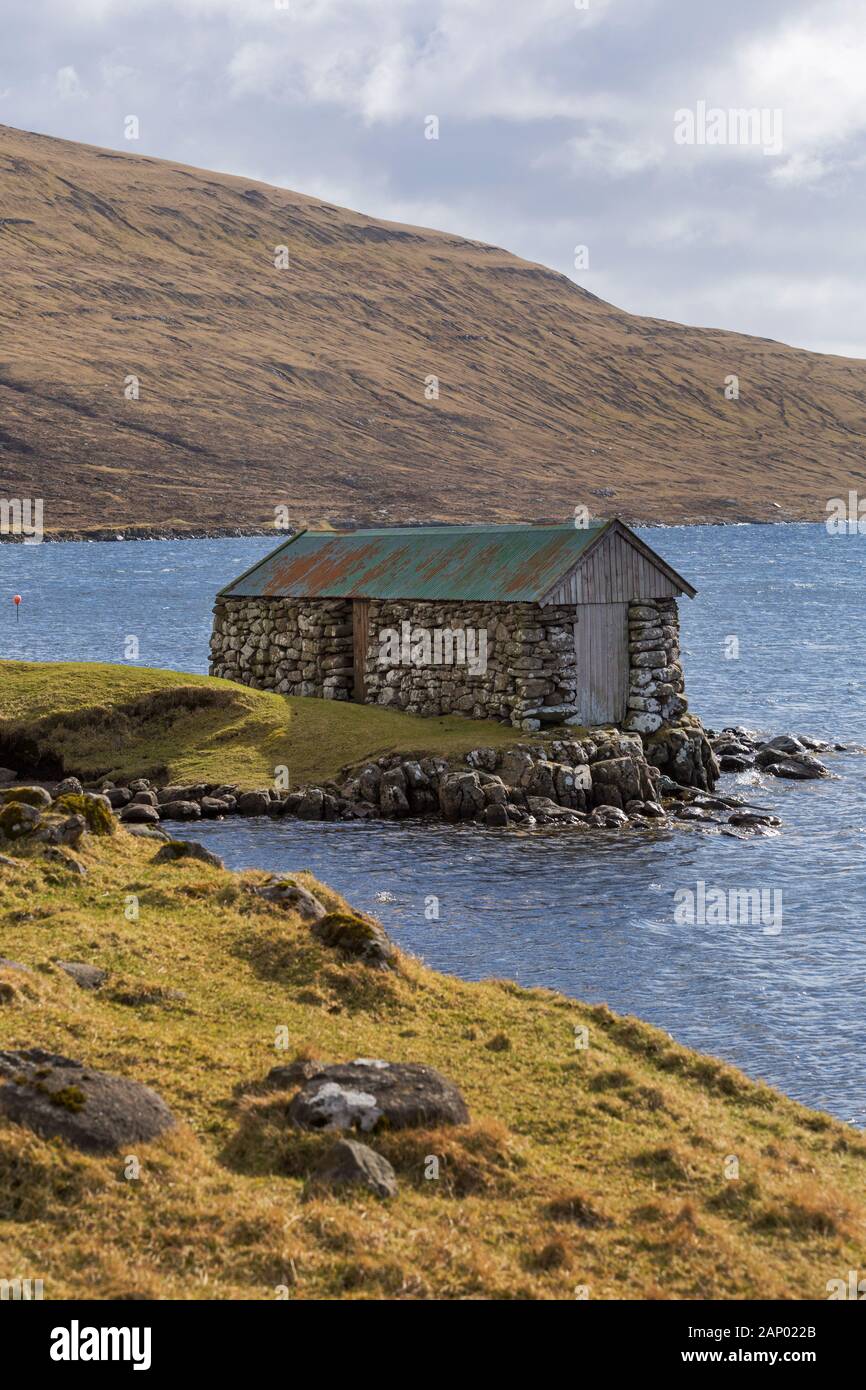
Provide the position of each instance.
(357, 935)
(27, 796)
(96, 813)
(17, 819)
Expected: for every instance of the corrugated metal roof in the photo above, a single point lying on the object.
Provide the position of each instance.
(494, 564)
(512, 564)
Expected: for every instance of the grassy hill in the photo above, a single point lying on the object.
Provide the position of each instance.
(304, 386)
(603, 1167)
(92, 719)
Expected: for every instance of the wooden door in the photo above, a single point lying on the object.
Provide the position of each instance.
(360, 639)
(601, 645)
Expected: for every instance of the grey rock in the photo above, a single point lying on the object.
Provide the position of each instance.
(148, 832)
(85, 976)
(179, 810)
(139, 815)
(804, 768)
(288, 1075)
(350, 1164)
(312, 804)
(460, 796)
(255, 803)
(66, 861)
(286, 893)
(369, 1093)
(59, 1098)
(118, 797)
(607, 817)
(69, 785)
(173, 850)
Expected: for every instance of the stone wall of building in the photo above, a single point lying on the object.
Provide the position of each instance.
(295, 647)
(513, 662)
(527, 655)
(656, 682)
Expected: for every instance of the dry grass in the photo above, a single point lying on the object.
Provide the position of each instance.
(304, 387)
(603, 1167)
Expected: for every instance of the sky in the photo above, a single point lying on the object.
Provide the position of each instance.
(599, 137)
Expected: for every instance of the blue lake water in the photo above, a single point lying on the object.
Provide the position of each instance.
(592, 915)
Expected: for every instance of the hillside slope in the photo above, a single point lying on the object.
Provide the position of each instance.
(604, 1167)
(304, 386)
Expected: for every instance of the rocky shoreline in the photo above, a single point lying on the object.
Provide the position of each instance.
(613, 780)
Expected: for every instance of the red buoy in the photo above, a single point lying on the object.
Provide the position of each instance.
(16, 599)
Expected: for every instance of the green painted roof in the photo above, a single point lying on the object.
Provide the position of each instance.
(507, 564)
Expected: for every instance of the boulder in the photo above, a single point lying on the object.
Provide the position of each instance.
(547, 812)
(214, 806)
(312, 804)
(495, 814)
(173, 850)
(179, 810)
(253, 803)
(616, 781)
(18, 819)
(350, 1164)
(748, 818)
(118, 797)
(393, 800)
(803, 768)
(59, 1098)
(785, 743)
(37, 797)
(286, 893)
(460, 796)
(606, 817)
(358, 935)
(147, 798)
(369, 1094)
(139, 815)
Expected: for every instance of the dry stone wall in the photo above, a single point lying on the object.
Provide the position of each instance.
(513, 662)
(296, 648)
(512, 659)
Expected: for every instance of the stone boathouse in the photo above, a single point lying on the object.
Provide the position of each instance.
(529, 625)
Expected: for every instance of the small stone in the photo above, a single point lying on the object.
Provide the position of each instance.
(291, 1074)
(69, 784)
(85, 976)
(350, 1164)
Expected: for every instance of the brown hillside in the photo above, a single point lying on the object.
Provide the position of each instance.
(305, 386)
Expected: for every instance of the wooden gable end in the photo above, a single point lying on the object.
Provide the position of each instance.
(617, 568)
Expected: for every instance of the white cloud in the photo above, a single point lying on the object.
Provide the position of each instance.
(68, 84)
